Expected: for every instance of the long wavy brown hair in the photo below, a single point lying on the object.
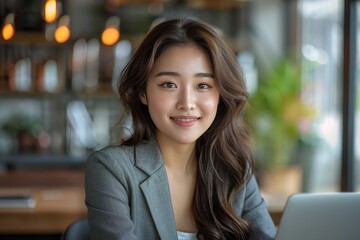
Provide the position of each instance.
(225, 161)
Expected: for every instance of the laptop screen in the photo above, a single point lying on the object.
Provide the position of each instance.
(321, 216)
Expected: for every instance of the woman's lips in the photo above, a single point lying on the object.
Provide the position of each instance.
(185, 121)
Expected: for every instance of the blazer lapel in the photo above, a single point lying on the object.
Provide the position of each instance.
(156, 189)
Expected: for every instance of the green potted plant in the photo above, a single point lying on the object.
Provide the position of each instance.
(275, 115)
(23, 130)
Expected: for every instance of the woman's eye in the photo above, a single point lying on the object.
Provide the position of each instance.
(203, 86)
(168, 85)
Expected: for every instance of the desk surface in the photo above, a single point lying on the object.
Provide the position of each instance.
(59, 200)
(57, 204)
(55, 208)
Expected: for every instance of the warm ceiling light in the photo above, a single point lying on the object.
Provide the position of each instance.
(62, 32)
(8, 29)
(50, 11)
(111, 33)
(110, 36)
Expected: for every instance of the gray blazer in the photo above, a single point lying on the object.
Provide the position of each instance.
(128, 197)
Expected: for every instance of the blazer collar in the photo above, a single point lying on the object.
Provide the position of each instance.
(156, 188)
(148, 156)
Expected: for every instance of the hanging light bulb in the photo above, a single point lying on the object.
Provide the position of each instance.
(51, 10)
(111, 33)
(62, 32)
(8, 29)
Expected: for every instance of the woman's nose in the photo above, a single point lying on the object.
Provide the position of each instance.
(186, 99)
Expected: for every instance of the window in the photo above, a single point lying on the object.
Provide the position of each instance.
(357, 104)
(320, 50)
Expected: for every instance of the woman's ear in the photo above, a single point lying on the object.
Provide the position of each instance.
(143, 98)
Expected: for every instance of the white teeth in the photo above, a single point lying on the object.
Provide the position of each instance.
(185, 119)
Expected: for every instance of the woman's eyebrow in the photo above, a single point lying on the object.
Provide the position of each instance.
(209, 75)
(175, 74)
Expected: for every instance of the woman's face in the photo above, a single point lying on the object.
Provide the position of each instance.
(181, 94)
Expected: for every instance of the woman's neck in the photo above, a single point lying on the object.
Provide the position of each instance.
(181, 168)
(177, 157)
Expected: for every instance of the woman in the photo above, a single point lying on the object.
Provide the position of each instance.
(186, 171)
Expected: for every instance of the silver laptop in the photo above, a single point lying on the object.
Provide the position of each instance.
(321, 216)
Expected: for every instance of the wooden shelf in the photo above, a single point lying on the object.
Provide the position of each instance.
(34, 160)
(29, 94)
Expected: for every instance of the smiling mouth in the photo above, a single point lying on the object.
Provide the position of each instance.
(185, 121)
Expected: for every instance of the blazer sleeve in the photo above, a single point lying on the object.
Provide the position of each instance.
(107, 199)
(256, 213)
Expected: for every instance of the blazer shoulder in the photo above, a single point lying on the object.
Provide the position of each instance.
(144, 156)
(118, 154)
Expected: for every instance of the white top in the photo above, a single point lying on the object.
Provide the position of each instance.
(186, 236)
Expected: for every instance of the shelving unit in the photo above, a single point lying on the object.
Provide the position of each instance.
(100, 107)
(54, 142)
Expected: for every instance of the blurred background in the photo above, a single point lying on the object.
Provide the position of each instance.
(60, 61)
